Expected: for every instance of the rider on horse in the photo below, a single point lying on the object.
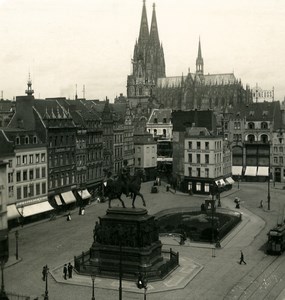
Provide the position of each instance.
(126, 177)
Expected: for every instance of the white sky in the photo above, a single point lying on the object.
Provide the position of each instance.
(67, 42)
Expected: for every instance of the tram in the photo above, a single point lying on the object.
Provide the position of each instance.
(276, 240)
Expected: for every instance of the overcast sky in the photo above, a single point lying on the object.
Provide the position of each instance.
(67, 42)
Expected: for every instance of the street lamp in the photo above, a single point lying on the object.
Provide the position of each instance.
(142, 283)
(120, 272)
(17, 236)
(46, 279)
(2, 292)
(93, 276)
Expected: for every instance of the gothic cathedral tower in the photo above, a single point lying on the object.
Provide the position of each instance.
(148, 61)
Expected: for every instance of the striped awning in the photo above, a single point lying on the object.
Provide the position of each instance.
(58, 200)
(230, 180)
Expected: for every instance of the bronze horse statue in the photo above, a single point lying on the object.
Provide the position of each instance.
(114, 188)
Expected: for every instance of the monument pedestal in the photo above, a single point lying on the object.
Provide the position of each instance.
(127, 239)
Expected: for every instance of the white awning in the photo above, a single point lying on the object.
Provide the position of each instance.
(262, 171)
(84, 194)
(230, 180)
(12, 212)
(58, 200)
(68, 197)
(250, 171)
(236, 170)
(220, 182)
(34, 209)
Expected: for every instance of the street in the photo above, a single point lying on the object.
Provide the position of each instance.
(56, 242)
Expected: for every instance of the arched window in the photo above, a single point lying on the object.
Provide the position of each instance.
(251, 125)
(264, 138)
(251, 138)
(155, 131)
(26, 140)
(17, 140)
(34, 140)
(264, 125)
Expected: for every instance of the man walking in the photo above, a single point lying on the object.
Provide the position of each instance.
(241, 258)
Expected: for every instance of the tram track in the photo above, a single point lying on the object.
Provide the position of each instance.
(257, 286)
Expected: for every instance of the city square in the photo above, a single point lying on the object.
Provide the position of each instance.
(204, 273)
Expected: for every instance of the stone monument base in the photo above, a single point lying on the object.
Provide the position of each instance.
(126, 243)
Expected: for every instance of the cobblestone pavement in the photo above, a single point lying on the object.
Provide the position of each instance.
(204, 273)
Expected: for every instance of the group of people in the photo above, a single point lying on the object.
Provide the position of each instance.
(67, 269)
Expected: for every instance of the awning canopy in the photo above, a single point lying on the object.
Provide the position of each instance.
(230, 180)
(236, 170)
(12, 212)
(58, 200)
(263, 171)
(84, 194)
(68, 197)
(250, 171)
(35, 209)
(220, 182)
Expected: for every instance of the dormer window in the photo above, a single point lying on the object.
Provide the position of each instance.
(17, 140)
(238, 114)
(251, 113)
(164, 120)
(155, 120)
(26, 140)
(265, 113)
(264, 125)
(35, 140)
(251, 125)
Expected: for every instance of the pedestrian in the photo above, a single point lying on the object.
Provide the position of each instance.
(68, 217)
(70, 268)
(83, 211)
(65, 271)
(44, 273)
(241, 258)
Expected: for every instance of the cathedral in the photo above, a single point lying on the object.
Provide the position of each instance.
(148, 86)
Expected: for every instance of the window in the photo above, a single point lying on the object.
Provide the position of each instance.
(206, 158)
(43, 157)
(207, 145)
(17, 140)
(198, 158)
(264, 125)
(190, 171)
(37, 158)
(31, 190)
(251, 125)
(226, 125)
(18, 160)
(275, 149)
(24, 159)
(43, 172)
(11, 191)
(25, 175)
(35, 140)
(207, 187)
(31, 160)
(18, 176)
(25, 192)
(280, 149)
(43, 188)
(206, 172)
(198, 172)
(31, 174)
(198, 186)
(190, 145)
(281, 159)
(139, 161)
(10, 177)
(19, 193)
(198, 145)
(38, 189)
(155, 120)
(10, 163)
(37, 173)
(164, 120)
(275, 159)
(189, 157)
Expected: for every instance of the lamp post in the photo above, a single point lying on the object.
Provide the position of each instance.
(93, 286)
(120, 272)
(17, 236)
(142, 283)
(238, 181)
(268, 195)
(46, 279)
(2, 292)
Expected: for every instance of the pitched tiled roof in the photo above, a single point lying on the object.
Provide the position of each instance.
(160, 115)
(219, 79)
(7, 147)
